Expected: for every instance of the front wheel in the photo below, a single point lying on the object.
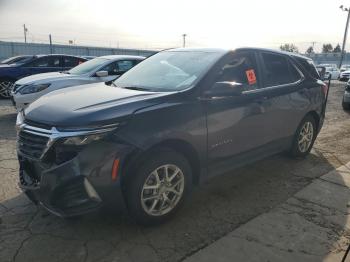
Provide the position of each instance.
(304, 137)
(5, 88)
(159, 187)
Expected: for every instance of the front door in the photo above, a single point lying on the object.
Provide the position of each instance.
(235, 124)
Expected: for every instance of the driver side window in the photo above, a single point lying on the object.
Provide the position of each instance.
(111, 68)
(242, 68)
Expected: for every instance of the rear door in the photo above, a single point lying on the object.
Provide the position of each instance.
(45, 64)
(285, 102)
(71, 61)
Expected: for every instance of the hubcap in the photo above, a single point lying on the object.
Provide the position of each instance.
(5, 88)
(305, 137)
(162, 190)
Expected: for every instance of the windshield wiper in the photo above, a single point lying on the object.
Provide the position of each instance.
(136, 88)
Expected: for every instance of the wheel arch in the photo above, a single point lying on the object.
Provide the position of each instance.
(316, 116)
(180, 146)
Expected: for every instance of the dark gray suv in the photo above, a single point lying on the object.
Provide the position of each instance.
(174, 120)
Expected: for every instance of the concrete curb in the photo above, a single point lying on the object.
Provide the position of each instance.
(313, 225)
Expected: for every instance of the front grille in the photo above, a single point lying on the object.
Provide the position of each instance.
(36, 124)
(32, 145)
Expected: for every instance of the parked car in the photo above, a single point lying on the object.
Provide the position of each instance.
(346, 97)
(332, 72)
(345, 68)
(10, 73)
(174, 120)
(101, 69)
(344, 76)
(329, 65)
(88, 57)
(16, 59)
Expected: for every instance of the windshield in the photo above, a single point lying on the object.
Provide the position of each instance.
(88, 66)
(16, 59)
(168, 71)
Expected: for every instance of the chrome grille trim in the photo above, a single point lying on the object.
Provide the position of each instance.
(52, 134)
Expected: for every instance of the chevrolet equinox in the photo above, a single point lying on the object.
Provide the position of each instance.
(176, 119)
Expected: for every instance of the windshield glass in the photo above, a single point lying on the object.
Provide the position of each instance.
(168, 71)
(88, 66)
(16, 59)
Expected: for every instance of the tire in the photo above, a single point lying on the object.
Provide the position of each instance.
(152, 206)
(298, 149)
(346, 106)
(5, 87)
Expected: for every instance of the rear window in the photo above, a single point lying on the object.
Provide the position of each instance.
(309, 65)
(278, 70)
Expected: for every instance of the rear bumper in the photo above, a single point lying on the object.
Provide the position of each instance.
(75, 187)
(346, 97)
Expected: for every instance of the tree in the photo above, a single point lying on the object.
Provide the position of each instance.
(337, 49)
(289, 48)
(327, 48)
(310, 50)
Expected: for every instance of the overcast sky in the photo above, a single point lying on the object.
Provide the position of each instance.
(161, 23)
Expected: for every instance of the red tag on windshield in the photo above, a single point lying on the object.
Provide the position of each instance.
(251, 76)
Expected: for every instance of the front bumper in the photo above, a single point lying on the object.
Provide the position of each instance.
(21, 101)
(346, 97)
(77, 186)
(344, 78)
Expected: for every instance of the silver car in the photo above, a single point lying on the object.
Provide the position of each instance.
(100, 69)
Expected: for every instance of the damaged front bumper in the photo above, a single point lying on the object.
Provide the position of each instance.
(70, 182)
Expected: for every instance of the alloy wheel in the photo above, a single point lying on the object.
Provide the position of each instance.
(305, 137)
(5, 88)
(162, 190)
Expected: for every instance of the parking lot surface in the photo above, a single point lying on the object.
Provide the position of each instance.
(216, 208)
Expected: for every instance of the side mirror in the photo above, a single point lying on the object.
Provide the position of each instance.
(220, 89)
(101, 73)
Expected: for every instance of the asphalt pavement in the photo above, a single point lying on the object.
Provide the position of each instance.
(216, 209)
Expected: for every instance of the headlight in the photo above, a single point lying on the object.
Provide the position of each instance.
(19, 121)
(83, 140)
(33, 88)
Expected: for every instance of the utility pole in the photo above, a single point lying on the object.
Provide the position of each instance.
(184, 40)
(25, 30)
(345, 35)
(50, 43)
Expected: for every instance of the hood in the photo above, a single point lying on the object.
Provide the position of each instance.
(46, 78)
(5, 66)
(89, 105)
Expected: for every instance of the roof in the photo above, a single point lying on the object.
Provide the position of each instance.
(122, 57)
(226, 50)
(216, 50)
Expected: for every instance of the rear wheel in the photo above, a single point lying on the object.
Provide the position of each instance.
(304, 137)
(159, 187)
(6, 87)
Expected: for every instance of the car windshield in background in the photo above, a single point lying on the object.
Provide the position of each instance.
(16, 60)
(168, 71)
(88, 66)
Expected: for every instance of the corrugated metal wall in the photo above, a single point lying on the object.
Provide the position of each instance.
(9, 49)
(330, 58)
